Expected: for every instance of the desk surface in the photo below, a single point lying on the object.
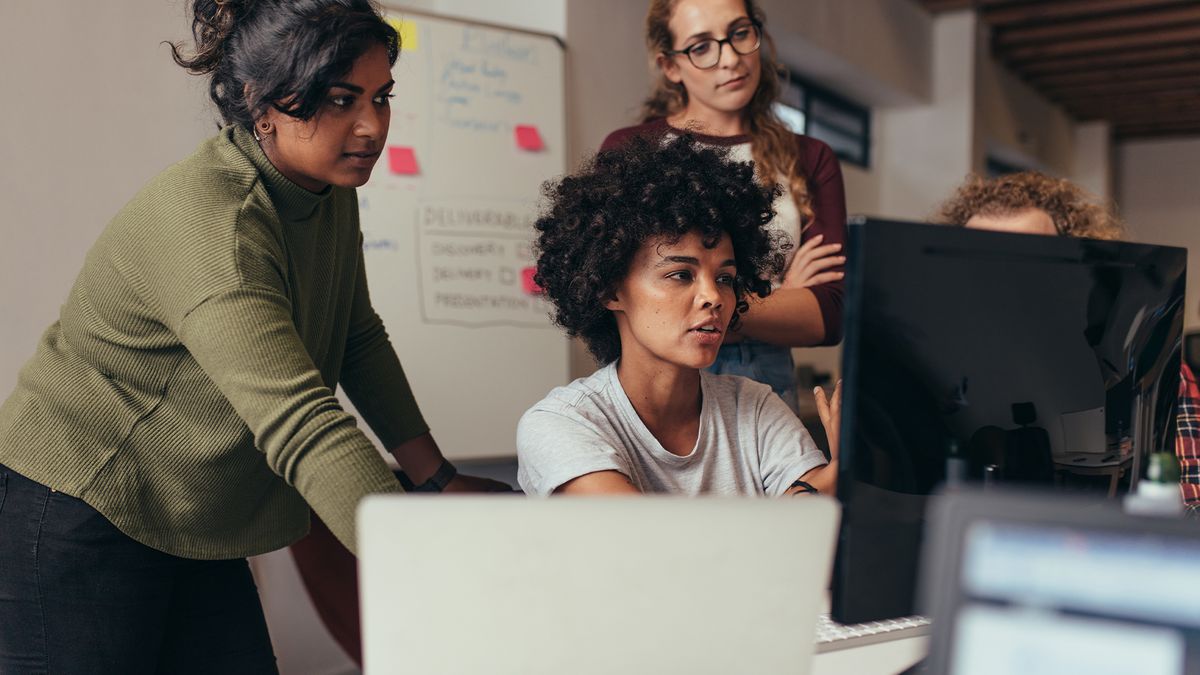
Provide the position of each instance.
(880, 658)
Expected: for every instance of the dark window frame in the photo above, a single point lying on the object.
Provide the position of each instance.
(811, 94)
(996, 167)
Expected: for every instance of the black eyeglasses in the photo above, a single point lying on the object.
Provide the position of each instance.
(706, 54)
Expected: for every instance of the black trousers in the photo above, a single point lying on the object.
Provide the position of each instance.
(78, 596)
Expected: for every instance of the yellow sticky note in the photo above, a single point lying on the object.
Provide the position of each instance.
(408, 34)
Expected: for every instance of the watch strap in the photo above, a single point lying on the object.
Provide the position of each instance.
(435, 483)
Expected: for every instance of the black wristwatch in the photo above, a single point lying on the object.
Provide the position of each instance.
(435, 483)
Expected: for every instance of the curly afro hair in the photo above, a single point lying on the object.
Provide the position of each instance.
(597, 219)
(1075, 213)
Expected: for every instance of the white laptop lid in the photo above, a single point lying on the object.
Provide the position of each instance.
(592, 585)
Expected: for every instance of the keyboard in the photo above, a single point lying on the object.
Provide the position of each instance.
(832, 635)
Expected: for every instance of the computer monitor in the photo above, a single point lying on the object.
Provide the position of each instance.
(1037, 584)
(975, 356)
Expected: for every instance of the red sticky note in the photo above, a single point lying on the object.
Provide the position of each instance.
(402, 161)
(528, 284)
(528, 138)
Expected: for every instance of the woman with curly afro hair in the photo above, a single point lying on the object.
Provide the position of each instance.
(719, 78)
(1032, 203)
(648, 254)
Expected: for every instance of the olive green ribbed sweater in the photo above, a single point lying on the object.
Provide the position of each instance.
(186, 391)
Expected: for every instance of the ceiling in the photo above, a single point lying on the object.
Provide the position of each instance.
(1134, 63)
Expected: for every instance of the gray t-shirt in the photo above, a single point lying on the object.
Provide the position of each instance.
(750, 443)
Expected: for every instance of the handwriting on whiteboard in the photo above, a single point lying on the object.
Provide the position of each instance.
(473, 88)
(471, 257)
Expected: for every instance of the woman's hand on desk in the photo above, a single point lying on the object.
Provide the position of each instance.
(421, 457)
(461, 483)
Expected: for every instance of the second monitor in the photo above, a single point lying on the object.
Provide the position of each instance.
(989, 357)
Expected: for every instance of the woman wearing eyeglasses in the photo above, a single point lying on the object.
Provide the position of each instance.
(719, 79)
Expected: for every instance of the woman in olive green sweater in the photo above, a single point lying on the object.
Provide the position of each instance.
(180, 416)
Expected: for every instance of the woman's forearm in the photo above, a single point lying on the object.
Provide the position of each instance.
(823, 478)
(789, 317)
(419, 457)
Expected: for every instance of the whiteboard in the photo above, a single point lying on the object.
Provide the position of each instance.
(477, 127)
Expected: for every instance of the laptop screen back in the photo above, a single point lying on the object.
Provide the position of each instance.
(592, 585)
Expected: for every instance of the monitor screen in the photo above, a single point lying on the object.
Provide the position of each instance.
(1022, 584)
(1042, 599)
(976, 356)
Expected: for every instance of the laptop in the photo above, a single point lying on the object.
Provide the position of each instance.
(1019, 582)
(580, 585)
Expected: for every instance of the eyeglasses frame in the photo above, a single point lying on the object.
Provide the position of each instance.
(727, 40)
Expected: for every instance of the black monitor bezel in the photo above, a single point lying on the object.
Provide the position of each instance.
(845, 605)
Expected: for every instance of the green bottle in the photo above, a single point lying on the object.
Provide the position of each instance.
(1158, 491)
(1163, 468)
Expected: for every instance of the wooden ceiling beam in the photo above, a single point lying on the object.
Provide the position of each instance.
(1165, 99)
(1146, 119)
(1123, 115)
(1123, 59)
(1133, 63)
(1155, 131)
(1036, 12)
(937, 6)
(1127, 112)
(1194, 123)
(1186, 35)
(1124, 88)
(1100, 75)
(1143, 21)
(1131, 135)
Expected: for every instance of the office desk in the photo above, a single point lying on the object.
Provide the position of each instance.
(880, 658)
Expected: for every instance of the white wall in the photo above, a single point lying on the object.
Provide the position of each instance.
(924, 151)
(877, 52)
(543, 16)
(1092, 161)
(94, 107)
(1014, 122)
(608, 70)
(1157, 192)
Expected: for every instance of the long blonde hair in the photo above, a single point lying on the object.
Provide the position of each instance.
(771, 142)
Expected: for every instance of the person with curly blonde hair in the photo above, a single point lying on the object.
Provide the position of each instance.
(1031, 202)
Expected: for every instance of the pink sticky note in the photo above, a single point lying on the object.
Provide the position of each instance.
(528, 284)
(402, 161)
(528, 138)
